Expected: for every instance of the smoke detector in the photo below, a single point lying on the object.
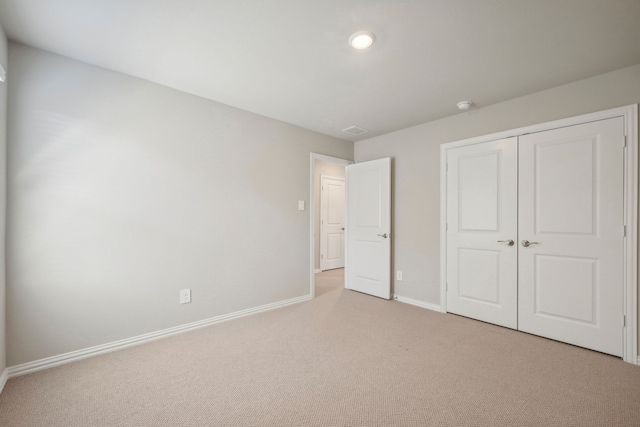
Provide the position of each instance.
(464, 105)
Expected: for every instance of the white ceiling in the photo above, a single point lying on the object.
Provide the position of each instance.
(289, 59)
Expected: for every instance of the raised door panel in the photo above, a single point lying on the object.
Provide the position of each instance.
(479, 280)
(479, 191)
(558, 279)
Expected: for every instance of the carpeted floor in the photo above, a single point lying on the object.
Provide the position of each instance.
(343, 359)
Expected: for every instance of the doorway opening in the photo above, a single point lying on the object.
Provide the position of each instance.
(333, 170)
(329, 281)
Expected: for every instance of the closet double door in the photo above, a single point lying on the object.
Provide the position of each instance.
(535, 233)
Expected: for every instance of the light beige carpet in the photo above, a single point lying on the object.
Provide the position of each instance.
(343, 359)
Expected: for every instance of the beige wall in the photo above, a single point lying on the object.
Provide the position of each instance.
(3, 198)
(334, 171)
(122, 192)
(416, 152)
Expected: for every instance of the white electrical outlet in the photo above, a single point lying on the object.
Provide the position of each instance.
(185, 296)
(399, 275)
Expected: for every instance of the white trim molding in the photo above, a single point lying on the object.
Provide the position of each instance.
(630, 343)
(50, 362)
(418, 303)
(630, 115)
(3, 379)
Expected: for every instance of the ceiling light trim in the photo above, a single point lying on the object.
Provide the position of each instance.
(362, 39)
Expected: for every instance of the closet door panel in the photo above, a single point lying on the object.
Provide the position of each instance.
(482, 218)
(570, 275)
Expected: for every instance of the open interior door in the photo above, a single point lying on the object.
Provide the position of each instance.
(368, 261)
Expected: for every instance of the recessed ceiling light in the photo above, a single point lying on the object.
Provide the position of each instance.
(464, 105)
(361, 39)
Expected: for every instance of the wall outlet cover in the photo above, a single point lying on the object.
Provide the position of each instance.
(185, 296)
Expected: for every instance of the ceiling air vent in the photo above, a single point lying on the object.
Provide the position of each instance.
(354, 130)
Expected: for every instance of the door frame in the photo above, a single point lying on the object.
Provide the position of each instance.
(312, 209)
(630, 285)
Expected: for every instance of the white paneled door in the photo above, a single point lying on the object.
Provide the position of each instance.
(368, 264)
(535, 233)
(332, 223)
(571, 235)
(481, 231)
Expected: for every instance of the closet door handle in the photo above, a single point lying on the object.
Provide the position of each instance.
(527, 243)
(508, 242)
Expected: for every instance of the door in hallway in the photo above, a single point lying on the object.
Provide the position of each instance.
(332, 223)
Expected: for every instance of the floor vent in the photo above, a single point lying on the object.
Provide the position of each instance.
(354, 130)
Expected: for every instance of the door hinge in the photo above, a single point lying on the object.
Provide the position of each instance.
(624, 231)
(446, 286)
(625, 141)
(446, 227)
(624, 321)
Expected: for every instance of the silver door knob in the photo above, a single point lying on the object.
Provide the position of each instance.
(527, 243)
(384, 236)
(508, 242)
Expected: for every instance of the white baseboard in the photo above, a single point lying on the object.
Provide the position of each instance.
(406, 300)
(3, 379)
(50, 362)
(316, 271)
